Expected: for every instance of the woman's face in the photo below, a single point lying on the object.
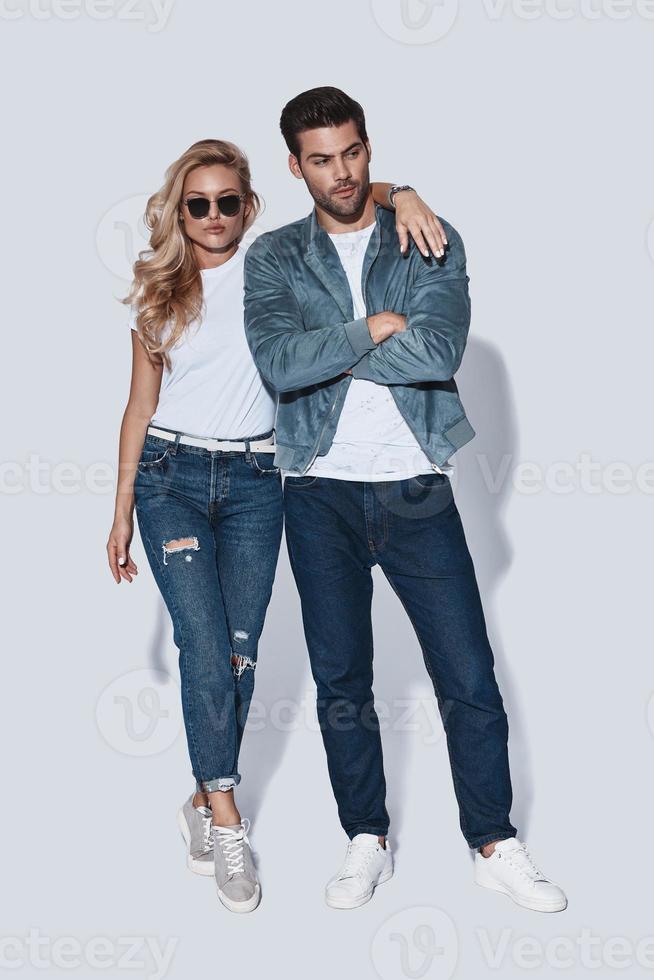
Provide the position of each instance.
(215, 232)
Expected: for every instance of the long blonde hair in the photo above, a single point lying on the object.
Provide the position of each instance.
(167, 285)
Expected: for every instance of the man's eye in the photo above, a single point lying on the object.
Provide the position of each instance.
(319, 163)
(353, 153)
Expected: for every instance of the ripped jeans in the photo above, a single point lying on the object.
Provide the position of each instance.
(211, 525)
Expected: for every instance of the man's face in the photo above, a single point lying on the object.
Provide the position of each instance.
(334, 163)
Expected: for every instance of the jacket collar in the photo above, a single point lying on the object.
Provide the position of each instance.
(321, 256)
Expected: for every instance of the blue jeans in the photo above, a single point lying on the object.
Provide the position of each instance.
(336, 530)
(211, 525)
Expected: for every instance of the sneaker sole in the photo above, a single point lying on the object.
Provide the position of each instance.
(248, 906)
(197, 867)
(356, 903)
(524, 903)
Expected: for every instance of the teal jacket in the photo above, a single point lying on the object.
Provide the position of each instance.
(301, 332)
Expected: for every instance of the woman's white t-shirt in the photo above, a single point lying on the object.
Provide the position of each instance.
(214, 388)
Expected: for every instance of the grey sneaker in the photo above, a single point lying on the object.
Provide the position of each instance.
(195, 825)
(236, 876)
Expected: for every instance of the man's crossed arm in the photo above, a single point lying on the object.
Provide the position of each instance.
(387, 348)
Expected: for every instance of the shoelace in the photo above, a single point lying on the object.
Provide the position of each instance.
(356, 860)
(207, 842)
(521, 861)
(231, 844)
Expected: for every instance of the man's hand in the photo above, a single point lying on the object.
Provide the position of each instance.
(383, 325)
(414, 217)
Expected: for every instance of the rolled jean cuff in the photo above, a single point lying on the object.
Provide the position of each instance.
(377, 831)
(489, 838)
(358, 334)
(222, 784)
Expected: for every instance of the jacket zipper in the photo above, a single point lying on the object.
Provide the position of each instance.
(331, 411)
(399, 407)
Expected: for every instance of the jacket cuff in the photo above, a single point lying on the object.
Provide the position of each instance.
(359, 336)
(359, 370)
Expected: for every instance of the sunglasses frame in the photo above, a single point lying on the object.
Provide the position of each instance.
(201, 197)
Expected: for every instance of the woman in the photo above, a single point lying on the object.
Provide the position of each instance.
(195, 461)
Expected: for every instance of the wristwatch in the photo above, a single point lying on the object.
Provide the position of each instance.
(395, 190)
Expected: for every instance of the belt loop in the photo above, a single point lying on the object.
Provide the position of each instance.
(173, 448)
(248, 452)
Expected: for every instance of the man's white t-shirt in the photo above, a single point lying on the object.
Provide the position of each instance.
(372, 440)
(214, 388)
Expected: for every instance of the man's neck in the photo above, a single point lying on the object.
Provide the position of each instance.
(338, 224)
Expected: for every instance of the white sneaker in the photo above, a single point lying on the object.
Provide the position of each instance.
(367, 864)
(510, 870)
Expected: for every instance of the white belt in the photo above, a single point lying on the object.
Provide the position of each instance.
(266, 445)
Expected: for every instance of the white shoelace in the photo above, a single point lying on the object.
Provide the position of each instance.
(521, 861)
(207, 842)
(356, 861)
(231, 844)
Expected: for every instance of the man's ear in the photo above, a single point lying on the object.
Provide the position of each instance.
(368, 150)
(294, 166)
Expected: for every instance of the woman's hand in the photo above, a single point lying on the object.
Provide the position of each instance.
(120, 538)
(414, 217)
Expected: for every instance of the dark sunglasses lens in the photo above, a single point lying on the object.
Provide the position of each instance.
(229, 205)
(198, 207)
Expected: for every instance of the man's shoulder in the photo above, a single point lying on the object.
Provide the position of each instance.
(274, 241)
(388, 220)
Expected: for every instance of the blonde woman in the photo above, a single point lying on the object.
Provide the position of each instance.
(196, 463)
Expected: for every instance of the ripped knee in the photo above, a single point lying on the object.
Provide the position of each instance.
(241, 663)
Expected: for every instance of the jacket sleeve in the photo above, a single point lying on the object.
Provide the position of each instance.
(288, 355)
(438, 320)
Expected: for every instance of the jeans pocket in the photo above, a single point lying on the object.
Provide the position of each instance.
(427, 480)
(152, 457)
(263, 463)
(300, 481)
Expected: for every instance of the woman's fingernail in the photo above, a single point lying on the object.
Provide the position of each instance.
(121, 561)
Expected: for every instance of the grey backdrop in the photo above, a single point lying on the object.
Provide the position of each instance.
(526, 124)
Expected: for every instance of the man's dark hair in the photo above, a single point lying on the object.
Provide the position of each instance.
(317, 108)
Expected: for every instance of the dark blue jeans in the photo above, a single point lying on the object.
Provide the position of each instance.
(211, 524)
(336, 530)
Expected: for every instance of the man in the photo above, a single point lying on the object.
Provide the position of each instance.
(362, 343)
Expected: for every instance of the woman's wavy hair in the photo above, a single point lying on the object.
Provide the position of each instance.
(167, 285)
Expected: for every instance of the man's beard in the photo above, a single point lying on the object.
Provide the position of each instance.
(343, 208)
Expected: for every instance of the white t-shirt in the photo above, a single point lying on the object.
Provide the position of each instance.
(214, 388)
(372, 441)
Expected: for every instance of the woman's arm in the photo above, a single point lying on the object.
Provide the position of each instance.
(414, 217)
(141, 406)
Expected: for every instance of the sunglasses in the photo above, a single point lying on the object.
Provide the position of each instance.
(229, 205)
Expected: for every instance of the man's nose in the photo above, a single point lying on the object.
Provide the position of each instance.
(343, 171)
